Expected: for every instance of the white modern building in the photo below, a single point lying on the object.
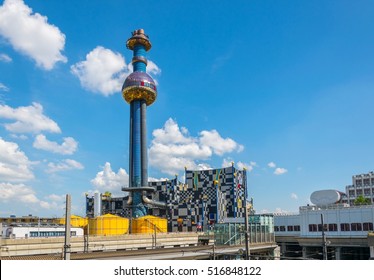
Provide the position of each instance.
(362, 185)
(345, 228)
(37, 231)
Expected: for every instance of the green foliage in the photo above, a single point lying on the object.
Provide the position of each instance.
(360, 200)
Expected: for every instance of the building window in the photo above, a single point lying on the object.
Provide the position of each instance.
(312, 227)
(356, 227)
(368, 226)
(359, 192)
(296, 228)
(276, 228)
(282, 228)
(345, 227)
(333, 227)
(289, 228)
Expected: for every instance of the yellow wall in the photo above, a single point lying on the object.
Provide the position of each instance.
(75, 221)
(148, 224)
(108, 225)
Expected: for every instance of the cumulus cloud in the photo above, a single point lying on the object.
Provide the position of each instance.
(56, 198)
(14, 164)
(240, 165)
(172, 148)
(16, 193)
(19, 136)
(227, 162)
(67, 164)
(19, 192)
(68, 147)
(218, 144)
(29, 119)
(152, 68)
(294, 196)
(108, 180)
(31, 34)
(280, 171)
(5, 58)
(151, 179)
(104, 71)
(247, 166)
(279, 210)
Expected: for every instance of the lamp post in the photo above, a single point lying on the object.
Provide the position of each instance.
(246, 215)
(324, 241)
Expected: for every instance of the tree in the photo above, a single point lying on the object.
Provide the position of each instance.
(361, 200)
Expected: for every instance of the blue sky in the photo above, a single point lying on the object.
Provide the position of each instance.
(283, 88)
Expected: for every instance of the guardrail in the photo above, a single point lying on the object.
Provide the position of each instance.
(54, 246)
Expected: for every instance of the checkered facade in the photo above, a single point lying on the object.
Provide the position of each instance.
(206, 197)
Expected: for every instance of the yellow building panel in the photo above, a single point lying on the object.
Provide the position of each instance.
(149, 224)
(108, 225)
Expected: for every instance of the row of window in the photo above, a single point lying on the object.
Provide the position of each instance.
(289, 228)
(366, 182)
(329, 227)
(359, 191)
(50, 233)
(343, 227)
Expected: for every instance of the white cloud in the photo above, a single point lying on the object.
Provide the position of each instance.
(219, 145)
(14, 164)
(227, 162)
(56, 198)
(104, 71)
(5, 58)
(281, 211)
(172, 133)
(68, 147)
(19, 136)
(67, 164)
(242, 165)
(294, 196)
(108, 180)
(31, 34)
(280, 171)
(21, 193)
(28, 119)
(3, 87)
(16, 192)
(172, 148)
(152, 68)
(151, 179)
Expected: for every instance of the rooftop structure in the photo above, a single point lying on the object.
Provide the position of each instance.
(362, 185)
